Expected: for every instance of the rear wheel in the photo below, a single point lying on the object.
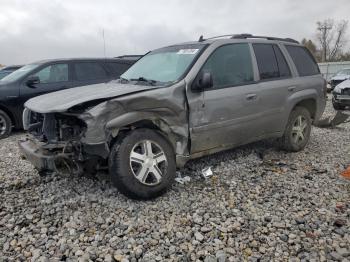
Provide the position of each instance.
(142, 165)
(5, 125)
(297, 133)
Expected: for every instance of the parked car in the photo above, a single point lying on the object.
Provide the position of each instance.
(48, 76)
(8, 70)
(339, 77)
(178, 103)
(341, 95)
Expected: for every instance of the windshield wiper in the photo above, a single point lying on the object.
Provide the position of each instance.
(125, 80)
(143, 79)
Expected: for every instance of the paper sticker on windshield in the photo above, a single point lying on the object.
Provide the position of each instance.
(187, 51)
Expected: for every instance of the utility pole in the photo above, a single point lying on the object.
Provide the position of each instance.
(324, 29)
(104, 42)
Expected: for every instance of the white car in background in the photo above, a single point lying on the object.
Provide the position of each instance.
(341, 95)
(339, 77)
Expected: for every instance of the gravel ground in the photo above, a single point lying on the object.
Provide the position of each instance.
(261, 204)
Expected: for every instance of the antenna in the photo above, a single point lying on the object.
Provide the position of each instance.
(104, 42)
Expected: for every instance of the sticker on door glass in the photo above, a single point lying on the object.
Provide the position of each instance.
(187, 51)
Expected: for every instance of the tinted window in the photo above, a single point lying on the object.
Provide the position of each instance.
(303, 60)
(89, 71)
(53, 73)
(117, 68)
(230, 65)
(267, 63)
(283, 67)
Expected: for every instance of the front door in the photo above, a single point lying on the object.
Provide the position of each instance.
(223, 115)
(52, 78)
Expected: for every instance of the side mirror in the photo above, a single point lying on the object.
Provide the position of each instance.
(32, 81)
(204, 81)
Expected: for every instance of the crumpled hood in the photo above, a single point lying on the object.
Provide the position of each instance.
(342, 85)
(340, 77)
(61, 101)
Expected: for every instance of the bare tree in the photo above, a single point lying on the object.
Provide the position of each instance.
(331, 37)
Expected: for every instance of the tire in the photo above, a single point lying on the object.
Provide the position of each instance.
(5, 125)
(299, 122)
(142, 165)
(337, 106)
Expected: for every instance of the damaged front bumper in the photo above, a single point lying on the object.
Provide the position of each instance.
(42, 160)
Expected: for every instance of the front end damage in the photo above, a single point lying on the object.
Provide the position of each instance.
(78, 139)
(53, 143)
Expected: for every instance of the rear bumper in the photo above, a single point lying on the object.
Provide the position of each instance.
(43, 161)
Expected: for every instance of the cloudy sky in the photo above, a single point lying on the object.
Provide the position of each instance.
(38, 29)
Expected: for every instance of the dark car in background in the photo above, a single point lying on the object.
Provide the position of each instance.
(8, 70)
(52, 75)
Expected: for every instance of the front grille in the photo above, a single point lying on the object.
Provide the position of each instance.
(53, 127)
(345, 91)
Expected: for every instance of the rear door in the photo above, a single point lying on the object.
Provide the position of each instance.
(275, 85)
(89, 73)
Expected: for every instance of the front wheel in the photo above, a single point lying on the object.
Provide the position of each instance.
(142, 165)
(5, 125)
(298, 129)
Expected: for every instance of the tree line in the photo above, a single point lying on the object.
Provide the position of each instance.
(330, 41)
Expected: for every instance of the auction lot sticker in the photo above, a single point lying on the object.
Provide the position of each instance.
(187, 51)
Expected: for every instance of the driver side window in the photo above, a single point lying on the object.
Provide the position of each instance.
(230, 65)
(53, 74)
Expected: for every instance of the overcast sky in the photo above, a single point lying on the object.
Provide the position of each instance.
(31, 30)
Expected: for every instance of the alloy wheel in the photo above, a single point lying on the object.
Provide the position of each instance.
(3, 125)
(148, 162)
(299, 129)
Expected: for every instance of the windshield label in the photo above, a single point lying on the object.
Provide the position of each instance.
(187, 51)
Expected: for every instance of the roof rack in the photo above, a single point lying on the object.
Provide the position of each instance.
(245, 36)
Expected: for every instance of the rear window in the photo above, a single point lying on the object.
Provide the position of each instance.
(303, 60)
(89, 71)
(271, 62)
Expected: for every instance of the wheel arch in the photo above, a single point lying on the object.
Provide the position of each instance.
(309, 104)
(175, 134)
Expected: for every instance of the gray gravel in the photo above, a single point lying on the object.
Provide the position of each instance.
(261, 204)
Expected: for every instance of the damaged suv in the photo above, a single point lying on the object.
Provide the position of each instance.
(178, 103)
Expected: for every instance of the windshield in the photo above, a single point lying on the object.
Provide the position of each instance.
(19, 73)
(164, 65)
(4, 73)
(344, 72)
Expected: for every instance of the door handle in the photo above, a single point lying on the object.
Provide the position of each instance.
(291, 88)
(250, 96)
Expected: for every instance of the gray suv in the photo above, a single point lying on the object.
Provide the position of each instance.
(178, 103)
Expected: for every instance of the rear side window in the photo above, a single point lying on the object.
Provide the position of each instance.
(230, 65)
(89, 71)
(271, 62)
(282, 63)
(117, 68)
(303, 60)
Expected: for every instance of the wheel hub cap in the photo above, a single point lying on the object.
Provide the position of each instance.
(2, 125)
(299, 129)
(148, 162)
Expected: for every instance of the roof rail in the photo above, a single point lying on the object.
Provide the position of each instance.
(245, 36)
(129, 56)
